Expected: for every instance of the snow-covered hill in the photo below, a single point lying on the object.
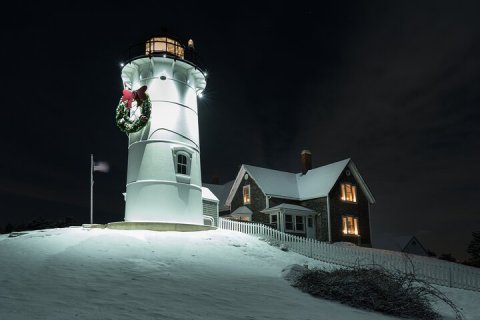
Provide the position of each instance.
(76, 273)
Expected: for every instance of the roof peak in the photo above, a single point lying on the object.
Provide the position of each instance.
(325, 165)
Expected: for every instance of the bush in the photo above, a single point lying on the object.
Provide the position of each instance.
(374, 288)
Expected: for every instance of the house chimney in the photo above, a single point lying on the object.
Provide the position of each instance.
(306, 159)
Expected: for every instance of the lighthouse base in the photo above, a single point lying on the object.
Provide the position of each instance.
(153, 226)
(163, 201)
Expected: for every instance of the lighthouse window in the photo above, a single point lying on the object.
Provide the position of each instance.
(182, 164)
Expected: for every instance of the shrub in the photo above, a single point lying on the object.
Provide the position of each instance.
(375, 288)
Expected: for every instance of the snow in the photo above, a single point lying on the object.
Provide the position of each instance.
(299, 210)
(119, 274)
(319, 181)
(316, 183)
(221, 192)
(208, 195)
(273, 182)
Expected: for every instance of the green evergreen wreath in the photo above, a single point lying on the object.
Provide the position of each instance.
(122, 116)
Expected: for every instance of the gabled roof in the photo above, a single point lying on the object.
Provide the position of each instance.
(221, 191)
(273, 182)
(395, 243)
(315, 183)
(242, 210)
(287, 207)
(208, 195)
(319, 181)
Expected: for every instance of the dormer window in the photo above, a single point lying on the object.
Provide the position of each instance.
(349, 192)
(246, 194)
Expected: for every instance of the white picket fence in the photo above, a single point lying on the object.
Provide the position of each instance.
(435, 271)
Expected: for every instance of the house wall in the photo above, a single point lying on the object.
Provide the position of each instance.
(321, 219)
(273, 201)
(257, 200)
(319, 205)
(360, 210)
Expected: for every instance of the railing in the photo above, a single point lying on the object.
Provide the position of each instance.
(430, 269)
(157, 46)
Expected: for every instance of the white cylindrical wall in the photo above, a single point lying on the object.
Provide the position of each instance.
(155, 192)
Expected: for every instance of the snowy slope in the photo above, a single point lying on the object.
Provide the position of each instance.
(76, 273)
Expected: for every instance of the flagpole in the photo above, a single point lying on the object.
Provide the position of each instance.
(91, 188)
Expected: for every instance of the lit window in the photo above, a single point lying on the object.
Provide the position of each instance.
(349, 192)
(274, 221)
(246, 194)
(294, 223)
(350, 225)
(182, 163)
(164, 44)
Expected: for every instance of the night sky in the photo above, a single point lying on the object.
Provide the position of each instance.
(395, 87)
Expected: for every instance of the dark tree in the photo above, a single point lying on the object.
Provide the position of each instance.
(474, 250)
(431, 253)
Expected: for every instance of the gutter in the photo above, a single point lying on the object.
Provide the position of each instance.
(328, 220)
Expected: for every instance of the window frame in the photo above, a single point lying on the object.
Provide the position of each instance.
(351, 196)
(249, 195)
(183, 166)
(188, 154)
(274, 224)
(294, 223)
(354, 229)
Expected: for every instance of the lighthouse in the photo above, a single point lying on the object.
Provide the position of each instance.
(164, 174)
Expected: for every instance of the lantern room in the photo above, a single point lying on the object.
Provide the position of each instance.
(164, 45)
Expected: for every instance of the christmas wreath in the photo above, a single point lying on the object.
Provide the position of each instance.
(127, 117)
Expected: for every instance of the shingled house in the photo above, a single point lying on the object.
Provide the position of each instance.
(328, 203)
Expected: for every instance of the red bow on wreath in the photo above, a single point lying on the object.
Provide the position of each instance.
(135, 95)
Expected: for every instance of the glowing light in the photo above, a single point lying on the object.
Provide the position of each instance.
(350, 225)
(164, 55)
(200, 95)
(121, 64)
(349, 192)
(205, 73)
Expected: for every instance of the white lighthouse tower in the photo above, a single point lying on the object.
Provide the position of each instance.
(164, 175)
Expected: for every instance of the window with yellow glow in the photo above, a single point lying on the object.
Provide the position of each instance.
(350, 225)
(246, 194)
(164, 44)
(349, 192)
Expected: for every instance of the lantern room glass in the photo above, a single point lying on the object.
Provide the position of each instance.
(164, 45)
